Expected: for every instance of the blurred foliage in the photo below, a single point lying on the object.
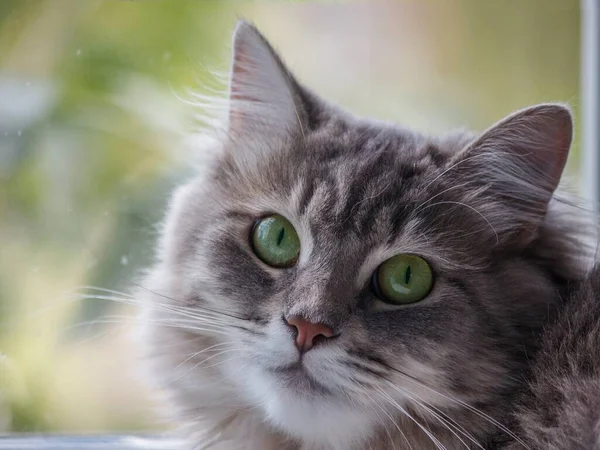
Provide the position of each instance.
(91, 132)
(86, 159)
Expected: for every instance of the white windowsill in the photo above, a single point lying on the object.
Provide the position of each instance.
(49, 442)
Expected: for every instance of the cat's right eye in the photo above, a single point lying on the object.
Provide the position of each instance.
(275, 241)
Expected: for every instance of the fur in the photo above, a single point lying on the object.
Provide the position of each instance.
(481, 208)
(561, 410)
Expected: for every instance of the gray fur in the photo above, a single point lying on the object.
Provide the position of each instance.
(482, 209)
(562, 408)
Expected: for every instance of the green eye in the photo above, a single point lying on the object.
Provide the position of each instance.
(275, 241)
(403, 279)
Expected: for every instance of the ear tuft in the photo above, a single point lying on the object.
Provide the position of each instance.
(261, 93)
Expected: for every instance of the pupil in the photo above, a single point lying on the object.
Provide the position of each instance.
(280, 237)
(407, 275)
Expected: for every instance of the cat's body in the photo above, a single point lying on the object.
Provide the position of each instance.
(448, 370)
(561, 407)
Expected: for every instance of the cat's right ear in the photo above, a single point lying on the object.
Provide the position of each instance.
(263, 99)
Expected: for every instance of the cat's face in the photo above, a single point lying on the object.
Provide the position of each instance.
(349, 196)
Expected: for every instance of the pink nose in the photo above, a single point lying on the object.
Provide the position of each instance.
(308, 332)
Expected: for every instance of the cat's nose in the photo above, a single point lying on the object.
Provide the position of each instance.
(308, 333)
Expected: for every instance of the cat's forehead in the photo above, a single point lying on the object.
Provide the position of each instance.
(363, 173)
(367, 152)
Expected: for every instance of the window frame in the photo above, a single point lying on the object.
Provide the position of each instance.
(590, 101)
(98, 442)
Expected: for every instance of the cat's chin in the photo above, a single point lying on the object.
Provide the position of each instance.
(297, 380)
(299, 406)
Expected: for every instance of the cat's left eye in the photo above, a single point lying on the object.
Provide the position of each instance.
(403, 279)
(275, 241)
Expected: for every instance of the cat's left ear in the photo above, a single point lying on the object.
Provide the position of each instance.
(264, 98)
(517, 164)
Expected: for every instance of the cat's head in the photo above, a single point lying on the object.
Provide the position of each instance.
(331, 271)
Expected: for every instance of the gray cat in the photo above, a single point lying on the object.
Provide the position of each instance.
(332, 282)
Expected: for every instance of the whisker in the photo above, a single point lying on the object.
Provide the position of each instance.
(132, 300)
(186, 318)
(186, 312)
(195, 366)
(418, 208)
(99, 335)
(224, 361)
(366, 199)
(450, 422)
(385, 396)
(430, 409)
(394, 422)
(469, 207)
(462, 403)
(181, 342)
(199, 307)
(202, 351)
(66, 299)
(479, 155)
(101, 289)
(299, 121)
(166, 323)
(167, 320)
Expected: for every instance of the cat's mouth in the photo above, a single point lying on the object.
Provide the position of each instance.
(296, 377)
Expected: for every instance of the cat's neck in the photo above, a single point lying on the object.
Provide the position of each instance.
(426, 428)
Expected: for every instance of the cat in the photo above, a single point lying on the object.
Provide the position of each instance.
(334, 282)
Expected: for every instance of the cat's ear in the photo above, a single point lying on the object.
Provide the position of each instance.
(531, 144)
(263, 102)
(519, 162)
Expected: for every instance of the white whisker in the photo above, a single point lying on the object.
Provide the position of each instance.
(430, 409)
(466, 405)
(418, 208)
(202, 351)
(469, 207)
(479, 155)
(101, 289)
(165, 323)
(392, 421)
(191, 313)
(195, 366)
(385, 396)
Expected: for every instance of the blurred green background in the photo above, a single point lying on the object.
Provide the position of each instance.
(94, 134)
